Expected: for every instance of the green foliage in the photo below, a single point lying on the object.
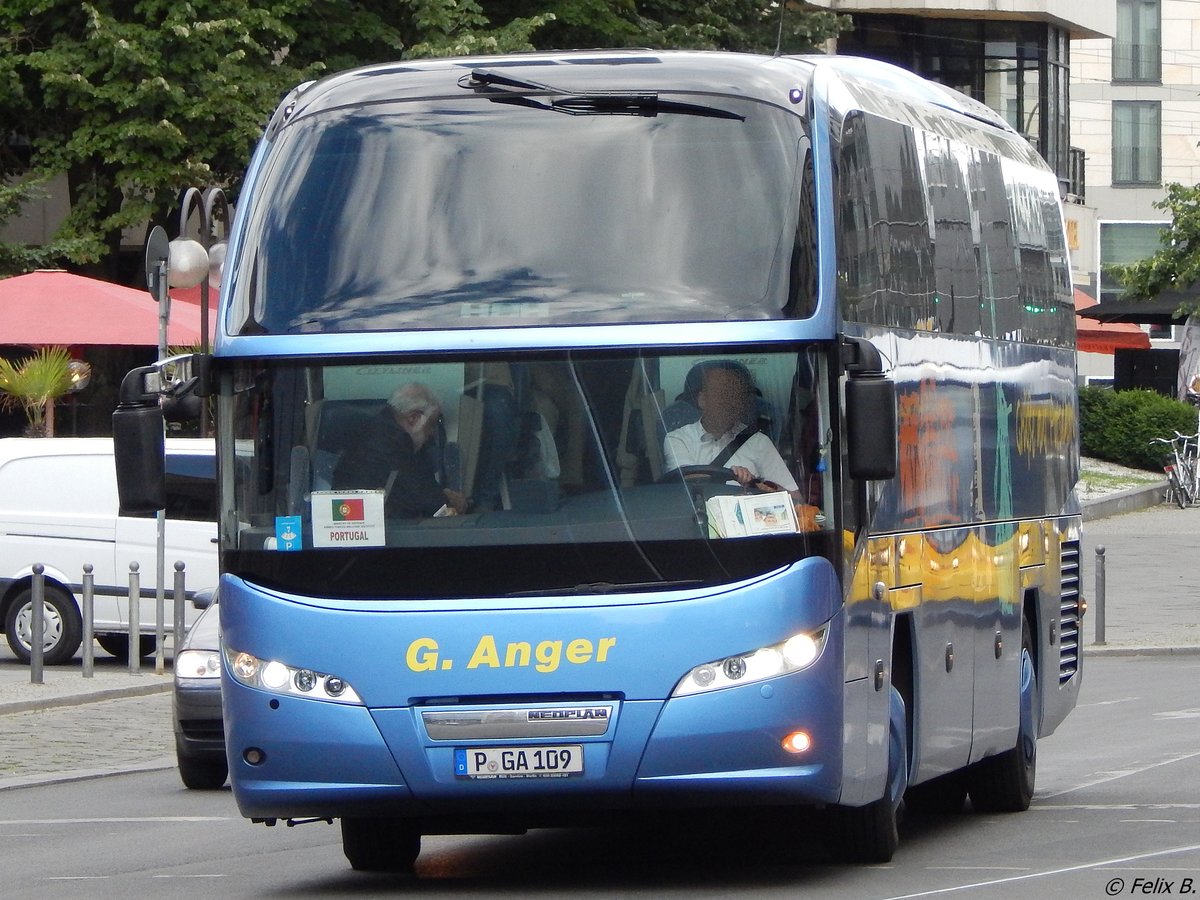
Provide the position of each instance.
(1119, 426)
(35, 384)
(1176, 264)
(134, 101)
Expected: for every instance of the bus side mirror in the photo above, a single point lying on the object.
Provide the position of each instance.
(871, 427)
(870, 413)
(139, 448)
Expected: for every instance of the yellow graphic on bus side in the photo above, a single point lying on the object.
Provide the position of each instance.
(424, 654)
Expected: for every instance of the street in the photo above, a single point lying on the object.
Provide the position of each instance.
(1116, 808)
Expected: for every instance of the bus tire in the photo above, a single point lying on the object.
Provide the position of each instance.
(62, 626)
(1004, 783)
(380, 845)
(944, 795)
(871, 833)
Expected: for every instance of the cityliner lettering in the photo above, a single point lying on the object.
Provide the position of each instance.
(424, 654)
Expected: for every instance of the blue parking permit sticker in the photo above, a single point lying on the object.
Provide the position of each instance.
(287, 533)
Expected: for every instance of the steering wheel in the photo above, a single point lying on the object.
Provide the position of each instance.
(700, 474)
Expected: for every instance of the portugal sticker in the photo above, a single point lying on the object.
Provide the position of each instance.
(347, 518)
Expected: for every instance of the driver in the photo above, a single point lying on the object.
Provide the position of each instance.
(724, 401)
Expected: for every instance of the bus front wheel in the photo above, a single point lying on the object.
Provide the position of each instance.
(871, 833)
(380, 845)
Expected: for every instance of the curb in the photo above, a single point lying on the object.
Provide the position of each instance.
(116, 693)
(36, 780)
(1128, 500)
(1135, 650)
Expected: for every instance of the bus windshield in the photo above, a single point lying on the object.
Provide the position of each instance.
(572, 473)
(376, 219)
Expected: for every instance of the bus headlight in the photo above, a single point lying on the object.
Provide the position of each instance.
(797, 652)
(280, 678)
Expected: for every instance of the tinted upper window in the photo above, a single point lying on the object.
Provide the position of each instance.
(471, 212)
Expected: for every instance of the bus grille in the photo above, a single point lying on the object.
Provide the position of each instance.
(1068, 616)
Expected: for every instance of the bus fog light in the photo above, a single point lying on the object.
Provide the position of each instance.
(254, 756)
(797, 742)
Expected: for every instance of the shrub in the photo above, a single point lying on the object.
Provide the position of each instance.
(1119, 426)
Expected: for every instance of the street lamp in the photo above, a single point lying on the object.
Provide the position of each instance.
(200, 262)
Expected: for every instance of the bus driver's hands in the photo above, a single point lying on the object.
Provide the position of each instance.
(744, 476)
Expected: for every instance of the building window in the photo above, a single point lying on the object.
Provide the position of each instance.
(1137, 48)
(1137, 142)
(1019, 69)
(1122, 243)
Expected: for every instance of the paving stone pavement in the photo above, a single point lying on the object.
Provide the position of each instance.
(75, 742)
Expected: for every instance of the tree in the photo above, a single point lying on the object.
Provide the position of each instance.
(134, 100)
(1176, 264)
(35, 385)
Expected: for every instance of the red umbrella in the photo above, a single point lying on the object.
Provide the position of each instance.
(47, 308)
(1104, 337)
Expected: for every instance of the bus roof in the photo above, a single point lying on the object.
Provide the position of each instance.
(870, 82)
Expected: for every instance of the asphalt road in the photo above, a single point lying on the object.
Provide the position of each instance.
(1118, 800)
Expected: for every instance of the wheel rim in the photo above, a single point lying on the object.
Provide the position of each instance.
(1028, 728)
(52, 627)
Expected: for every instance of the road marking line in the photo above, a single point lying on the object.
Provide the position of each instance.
(1105, 807)
(117, 820)
(1122, 774)
(1079, 868)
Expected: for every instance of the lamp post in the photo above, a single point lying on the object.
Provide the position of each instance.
(200, 262)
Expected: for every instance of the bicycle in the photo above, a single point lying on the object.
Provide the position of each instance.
(1183, 472)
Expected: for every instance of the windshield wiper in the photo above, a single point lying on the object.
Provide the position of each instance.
(588, 103)
(605, 587)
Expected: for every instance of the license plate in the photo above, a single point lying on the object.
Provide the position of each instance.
(519, 762)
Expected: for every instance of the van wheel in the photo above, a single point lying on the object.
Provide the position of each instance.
(118, 645)
(201, 774)
(62, 627)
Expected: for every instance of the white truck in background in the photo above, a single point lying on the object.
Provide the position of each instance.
(59, 507)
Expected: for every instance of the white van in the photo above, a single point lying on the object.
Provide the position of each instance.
(59, 507)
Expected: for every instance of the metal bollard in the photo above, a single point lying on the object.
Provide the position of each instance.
(1100, 596)
(89, 621)
(37, 623)
(135, 620)
(160, 631)
(180, 597)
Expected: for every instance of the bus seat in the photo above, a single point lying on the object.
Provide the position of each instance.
(339, 424)
(502, 436)
(641, 417)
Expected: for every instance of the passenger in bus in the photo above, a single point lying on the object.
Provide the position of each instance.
(725, 400)
(386, 455)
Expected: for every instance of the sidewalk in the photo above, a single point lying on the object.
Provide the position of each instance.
(1152, 603)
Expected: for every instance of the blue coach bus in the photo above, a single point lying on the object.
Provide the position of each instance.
(488, 331)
